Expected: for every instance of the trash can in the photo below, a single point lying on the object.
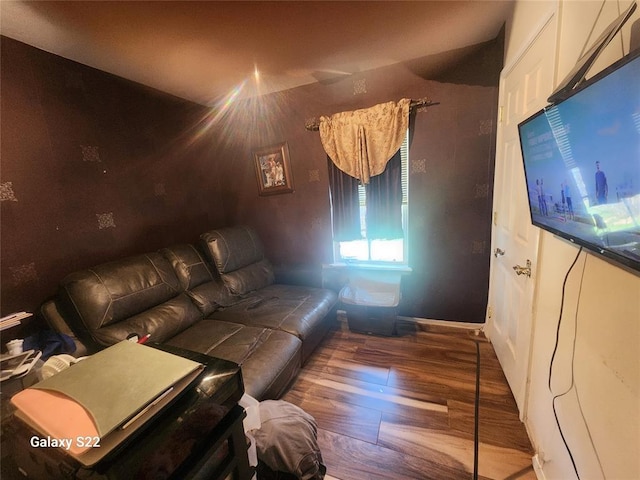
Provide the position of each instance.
(370, 301)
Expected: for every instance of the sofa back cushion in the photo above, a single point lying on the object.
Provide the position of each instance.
(238, 255)
(203, 285)
(139, 294)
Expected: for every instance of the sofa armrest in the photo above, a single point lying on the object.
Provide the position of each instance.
(55, 321)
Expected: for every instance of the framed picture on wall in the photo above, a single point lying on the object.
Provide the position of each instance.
(273, 169)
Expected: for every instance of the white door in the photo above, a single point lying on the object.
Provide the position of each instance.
(524, 89)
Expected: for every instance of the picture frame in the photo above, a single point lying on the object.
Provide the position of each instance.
(273, 169)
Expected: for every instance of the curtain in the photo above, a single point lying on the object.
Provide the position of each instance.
(345, 204)
(361, 142)
(384, 202)
(365, 145)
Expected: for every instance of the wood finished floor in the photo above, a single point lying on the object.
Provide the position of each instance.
(402, 407)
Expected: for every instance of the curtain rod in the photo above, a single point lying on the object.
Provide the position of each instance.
(313, 124)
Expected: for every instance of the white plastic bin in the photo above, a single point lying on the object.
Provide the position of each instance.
(370, 300)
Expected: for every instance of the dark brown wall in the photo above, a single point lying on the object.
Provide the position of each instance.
(450, 181)
(93, 168)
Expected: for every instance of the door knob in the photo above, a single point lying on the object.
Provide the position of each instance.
(498, 252)
(523, 270)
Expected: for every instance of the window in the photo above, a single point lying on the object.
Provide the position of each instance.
(379, 251)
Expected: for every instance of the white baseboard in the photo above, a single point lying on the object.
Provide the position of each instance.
(342, 316)
(444, 323)
(537, 467)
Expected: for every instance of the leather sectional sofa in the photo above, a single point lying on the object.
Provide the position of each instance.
(217, 297)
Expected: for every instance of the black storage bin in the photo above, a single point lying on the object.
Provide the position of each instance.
(372, 320)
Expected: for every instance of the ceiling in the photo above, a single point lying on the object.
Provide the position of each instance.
(204, 50)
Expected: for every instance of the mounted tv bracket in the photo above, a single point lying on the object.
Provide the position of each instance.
(577, 75)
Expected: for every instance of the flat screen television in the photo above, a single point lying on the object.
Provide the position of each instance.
(582, 164)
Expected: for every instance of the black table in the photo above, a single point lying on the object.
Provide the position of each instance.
(199, 436)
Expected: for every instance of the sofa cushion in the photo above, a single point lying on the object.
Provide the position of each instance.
(306, 312)
(190, 268)
(139, 294)
(200, 279)
(196, 278)
(238, 255)
(270, 359)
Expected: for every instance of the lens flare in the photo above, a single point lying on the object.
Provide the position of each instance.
(247, 117)
(218, 112)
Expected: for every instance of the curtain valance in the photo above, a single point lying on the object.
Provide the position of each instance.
(361, 142)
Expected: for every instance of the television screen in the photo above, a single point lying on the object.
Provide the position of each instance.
(582, 164)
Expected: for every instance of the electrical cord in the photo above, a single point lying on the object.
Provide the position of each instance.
(589, 432)
(557, 341)
(573, 384)
(476, 414)
(553, 355)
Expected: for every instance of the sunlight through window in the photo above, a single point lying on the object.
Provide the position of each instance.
(386, 251)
